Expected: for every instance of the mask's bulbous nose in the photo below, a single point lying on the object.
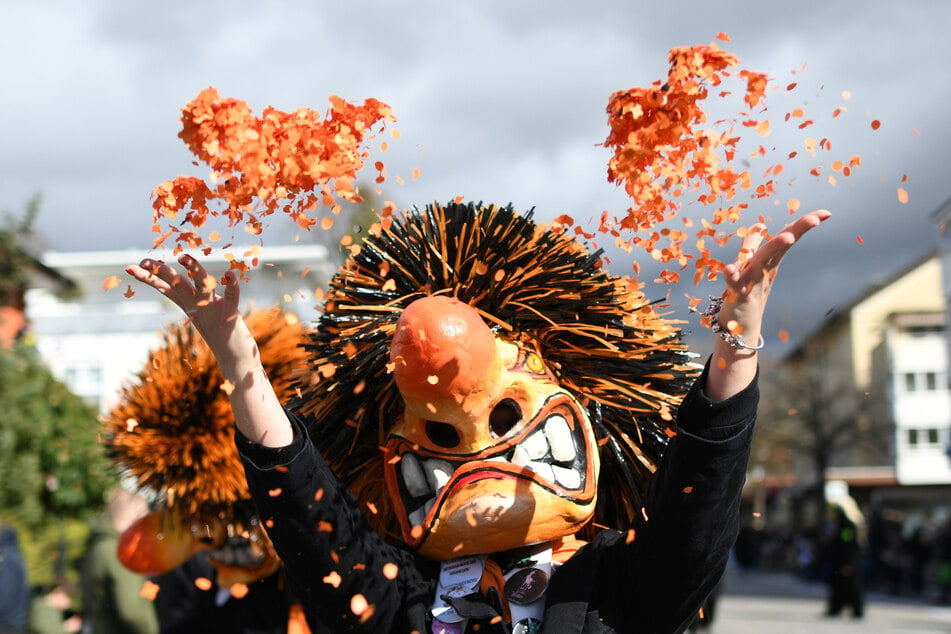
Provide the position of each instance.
(446, 363)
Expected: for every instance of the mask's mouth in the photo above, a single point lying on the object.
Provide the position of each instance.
(551, 453)
(239, 552)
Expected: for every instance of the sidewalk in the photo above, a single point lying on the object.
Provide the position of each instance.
(780, 603)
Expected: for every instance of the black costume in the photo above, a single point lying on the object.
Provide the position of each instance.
(654, 582)
(184, 608)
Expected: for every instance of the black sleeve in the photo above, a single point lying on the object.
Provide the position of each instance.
(662, 571)
(330, 553)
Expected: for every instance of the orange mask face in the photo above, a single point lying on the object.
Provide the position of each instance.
(490, 453)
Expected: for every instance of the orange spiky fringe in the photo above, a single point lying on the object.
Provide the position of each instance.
(173, 428)
(606, 342)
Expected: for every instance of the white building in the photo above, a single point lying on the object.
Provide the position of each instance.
(98, 341)
(920, 399)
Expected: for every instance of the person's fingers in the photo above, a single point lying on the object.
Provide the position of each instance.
(205, 284)
(771, 254)
(153, 273)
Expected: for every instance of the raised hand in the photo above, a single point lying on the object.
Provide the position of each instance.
(257, 410)
(749, 281)
(216, 317)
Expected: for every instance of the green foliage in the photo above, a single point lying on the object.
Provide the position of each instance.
(14, 258)
(51, 463)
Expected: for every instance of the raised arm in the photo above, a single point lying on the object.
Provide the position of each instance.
(258, 412)
(749, 281)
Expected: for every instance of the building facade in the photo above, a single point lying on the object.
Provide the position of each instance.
(879, 375)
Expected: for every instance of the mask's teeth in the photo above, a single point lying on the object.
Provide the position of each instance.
(560, 439)
(438, 473)
(535, 446)
(568, 478)
(543, 469)
(417, 517)
(520, 457)
(413, 476)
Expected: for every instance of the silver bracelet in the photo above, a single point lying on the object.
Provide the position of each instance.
(735, 341)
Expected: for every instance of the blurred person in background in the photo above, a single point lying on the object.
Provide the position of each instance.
(14, 588)
(111, 593)
(844, 555)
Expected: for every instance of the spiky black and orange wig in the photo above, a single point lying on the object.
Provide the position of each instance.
(172, 430)
(606, 343)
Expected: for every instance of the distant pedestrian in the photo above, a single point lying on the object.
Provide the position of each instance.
(942, 563)
(843, 553)
(14, 587)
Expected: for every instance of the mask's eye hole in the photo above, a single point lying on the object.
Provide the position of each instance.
(505, 415)
(442, 434)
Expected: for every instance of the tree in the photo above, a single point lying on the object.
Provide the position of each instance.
(52, 467)
(812, 417)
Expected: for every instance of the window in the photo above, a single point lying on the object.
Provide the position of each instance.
(909, 381)
(931, 381)
(921, 438)
(927, 381)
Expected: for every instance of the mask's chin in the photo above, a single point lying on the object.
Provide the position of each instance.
(535, 486)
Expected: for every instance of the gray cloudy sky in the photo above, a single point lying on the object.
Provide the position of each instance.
(500, 101)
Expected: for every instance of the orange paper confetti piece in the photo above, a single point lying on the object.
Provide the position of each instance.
(203, 583)
(110, 282)
(333, 579)
(288, 162)
(149, 590)
(358, 604)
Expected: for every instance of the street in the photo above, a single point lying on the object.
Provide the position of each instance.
(780, 603)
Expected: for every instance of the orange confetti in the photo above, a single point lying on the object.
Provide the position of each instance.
(902, 196)
(333, 579)
(203, 583)
(876, 124)
(390, 570)
(358, 604)
(783, 335)
(149, 590)
(128, 291)
(278, 162)
(859, 240)
(227, 387)
(239, 591)
(275, 492)
(110, 282)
